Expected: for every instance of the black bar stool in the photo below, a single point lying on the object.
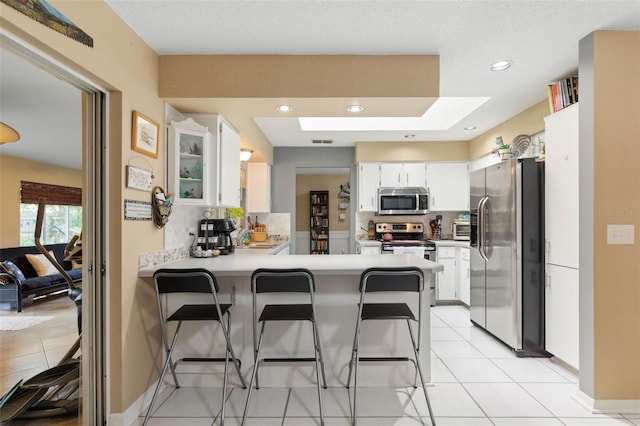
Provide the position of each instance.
(297, 280)
(175, 281)
(392, 280)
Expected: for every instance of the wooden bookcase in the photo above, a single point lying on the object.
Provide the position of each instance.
(319, 228)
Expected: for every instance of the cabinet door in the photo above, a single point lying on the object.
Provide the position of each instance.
(258, 188)
(561, 187)
(562, 314)
(448, 185)
(447, 280)
(189, 162)
(368, 182)
(415, 174)
(228, 166)
(464, 282)
(391, 174)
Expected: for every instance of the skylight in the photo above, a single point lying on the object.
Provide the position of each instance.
(443, 114)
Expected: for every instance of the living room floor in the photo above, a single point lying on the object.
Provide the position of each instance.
(477, 382)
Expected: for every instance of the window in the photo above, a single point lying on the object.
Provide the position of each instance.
(62, 217)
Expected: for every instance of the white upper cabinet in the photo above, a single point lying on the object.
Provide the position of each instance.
(258, 188)
(448, 185)
(561, 187)
(368, 183)
(402, 174)
(224, 175)
(189, 162)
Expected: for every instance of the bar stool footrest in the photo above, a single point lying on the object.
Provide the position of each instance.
(288, 360)
(206, 360)
(374, 359)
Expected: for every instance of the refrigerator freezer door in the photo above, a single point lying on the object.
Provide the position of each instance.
(502, 318)
(477, 196)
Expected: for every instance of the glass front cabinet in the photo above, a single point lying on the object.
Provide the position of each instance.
(189, 145)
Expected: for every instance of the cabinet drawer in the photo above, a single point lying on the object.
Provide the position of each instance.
(446, 252)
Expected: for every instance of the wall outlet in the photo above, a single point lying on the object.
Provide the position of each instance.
(621, 234)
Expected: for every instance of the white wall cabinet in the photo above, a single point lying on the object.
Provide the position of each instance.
(258, 188)
(224, 175)
(402, 174)
(368, 183)
(464, 281)
(562, 235)
(190, 161)
(446, 280)
(448, 185)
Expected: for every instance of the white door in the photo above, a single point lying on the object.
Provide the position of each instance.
(562, 314)
(368, 182)
(391, 175)
(464, 289)
(415, 174)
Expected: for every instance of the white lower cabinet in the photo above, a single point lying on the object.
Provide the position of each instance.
(562, 313)
(446, 280)
(464, 281)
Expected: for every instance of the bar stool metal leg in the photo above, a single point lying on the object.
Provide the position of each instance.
(424, 388)
(254, 375)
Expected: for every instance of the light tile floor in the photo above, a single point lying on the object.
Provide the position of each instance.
(476, 381)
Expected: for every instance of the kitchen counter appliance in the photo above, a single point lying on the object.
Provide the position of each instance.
(507, 254)
(403, 201)
(405, 238)
(215, 234)
(461, 229)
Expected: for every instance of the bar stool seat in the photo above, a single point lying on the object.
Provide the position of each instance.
(405, 279)
(171, 282)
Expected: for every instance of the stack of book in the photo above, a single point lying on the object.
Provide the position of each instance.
(562, 93)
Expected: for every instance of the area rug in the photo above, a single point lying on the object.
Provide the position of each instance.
(20, 322)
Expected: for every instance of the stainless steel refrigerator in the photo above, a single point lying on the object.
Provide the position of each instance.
(507, 253)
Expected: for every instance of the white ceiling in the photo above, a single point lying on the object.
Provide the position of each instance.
(540, 37)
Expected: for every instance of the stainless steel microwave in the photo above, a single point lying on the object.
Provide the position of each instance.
(403, 201)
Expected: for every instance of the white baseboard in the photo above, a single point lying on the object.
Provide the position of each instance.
(608, 406)
(135, 410)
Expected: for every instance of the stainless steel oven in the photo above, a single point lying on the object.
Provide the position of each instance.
(408, 238)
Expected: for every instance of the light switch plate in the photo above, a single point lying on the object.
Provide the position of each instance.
(621, 234)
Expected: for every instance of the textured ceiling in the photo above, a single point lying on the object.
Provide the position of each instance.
(541, 37)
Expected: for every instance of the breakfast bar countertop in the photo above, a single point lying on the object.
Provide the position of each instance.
(338, 264)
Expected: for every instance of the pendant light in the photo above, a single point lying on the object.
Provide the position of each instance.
(8, 134)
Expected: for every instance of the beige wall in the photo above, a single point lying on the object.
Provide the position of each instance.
(616, 194)
(528, 122)
(12, 171)
(128, 68)
(416, 151)
(331, 183)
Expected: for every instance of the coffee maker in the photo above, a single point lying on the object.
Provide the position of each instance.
(215, 234)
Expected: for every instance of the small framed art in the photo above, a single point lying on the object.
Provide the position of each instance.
(144, 135)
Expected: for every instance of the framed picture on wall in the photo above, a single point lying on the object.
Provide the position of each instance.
(144, 135)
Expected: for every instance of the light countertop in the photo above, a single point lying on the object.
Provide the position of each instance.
(451, 243)
(256, 249)
(333, 264)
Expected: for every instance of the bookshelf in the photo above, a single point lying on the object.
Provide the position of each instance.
(562, 93)
(319, 229)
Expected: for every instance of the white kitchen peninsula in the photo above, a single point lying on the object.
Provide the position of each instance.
(337, 295)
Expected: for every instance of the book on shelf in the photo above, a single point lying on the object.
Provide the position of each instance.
(562, 93)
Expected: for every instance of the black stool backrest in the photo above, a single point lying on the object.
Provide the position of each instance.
(296, 280)
(197, 280)
(392, 279)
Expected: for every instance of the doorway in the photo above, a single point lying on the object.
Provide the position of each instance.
(65, 91)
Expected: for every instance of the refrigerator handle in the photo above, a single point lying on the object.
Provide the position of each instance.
(481, 234)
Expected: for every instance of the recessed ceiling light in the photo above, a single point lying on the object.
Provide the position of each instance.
(501, 65)
(470, 128)
(284, 108)
(355, 108)
(409, 136)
